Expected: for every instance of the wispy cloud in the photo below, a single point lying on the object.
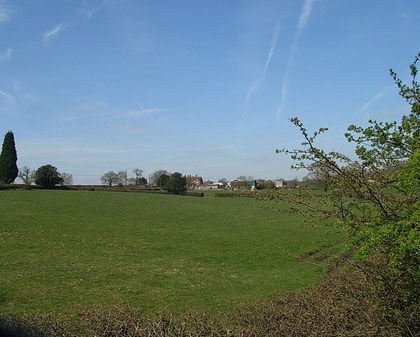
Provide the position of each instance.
(5, 13)
(141, 111)
(52, 33)
(90, 11)
(7, 102)
(107, 112)
(59, 148)
(374, 99)
(302, 22)
(93, 106)
(257, 83)
(130, 128)
(6, 54)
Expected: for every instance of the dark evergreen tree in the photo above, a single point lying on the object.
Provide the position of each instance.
(8, 159)
(48, 176)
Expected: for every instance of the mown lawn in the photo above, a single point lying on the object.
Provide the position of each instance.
(159, 252)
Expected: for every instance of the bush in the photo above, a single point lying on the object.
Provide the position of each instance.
(375, 198)
(177, 183)
(47, 176)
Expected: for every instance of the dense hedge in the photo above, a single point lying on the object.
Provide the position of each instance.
(342, 305)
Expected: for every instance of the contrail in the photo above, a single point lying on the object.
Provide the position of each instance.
(304, 16)
(375, 98)
(257, 83)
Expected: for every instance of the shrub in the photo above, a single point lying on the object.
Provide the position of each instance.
(177, 183)
(47, 176)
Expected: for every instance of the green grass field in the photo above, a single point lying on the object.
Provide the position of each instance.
(159, 252)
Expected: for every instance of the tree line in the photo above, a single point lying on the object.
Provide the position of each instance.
(46, 175)
(172, 182)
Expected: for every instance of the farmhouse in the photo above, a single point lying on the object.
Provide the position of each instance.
(193, 182)
(280, 183)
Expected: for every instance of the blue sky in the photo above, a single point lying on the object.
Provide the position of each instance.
(199, 87)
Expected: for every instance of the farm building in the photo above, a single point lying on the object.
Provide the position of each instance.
(280, 183)
(212, 186)
(193, 182)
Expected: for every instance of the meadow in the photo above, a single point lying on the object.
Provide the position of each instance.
(162, 253)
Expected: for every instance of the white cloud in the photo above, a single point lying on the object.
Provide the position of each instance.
(5, 13)
(52, 33)
(374, 99)
(6, 54)
(7, 103)
(302, 22)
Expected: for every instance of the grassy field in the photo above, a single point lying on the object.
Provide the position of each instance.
(160, 252)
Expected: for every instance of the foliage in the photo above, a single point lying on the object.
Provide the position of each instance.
(177, 183)
(142, 181)
(110, 178)
(265, 184)
(159, 178)
(122, 178)
(376, 197)
(139, 180)
(8, 158)
(162, 181)
(223, 181)
(67, 179)
(47, 176)
(27, 175)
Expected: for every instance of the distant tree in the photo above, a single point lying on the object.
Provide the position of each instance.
(67, 179)
(142, 181)
(159, 178)
(8, 158)
(242, 178)
(163, 180)
(110, 178)
(320, 175)
(177, 183)
(26, 174)
(265, 184)
(47, 176)
(223, 181)
(294, 183)
(122, 178)
(137, 172)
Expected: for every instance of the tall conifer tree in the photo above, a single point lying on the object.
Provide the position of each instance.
(8, 159)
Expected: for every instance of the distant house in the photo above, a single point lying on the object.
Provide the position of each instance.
(280, 183)
(212, 186)
(193, 182)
